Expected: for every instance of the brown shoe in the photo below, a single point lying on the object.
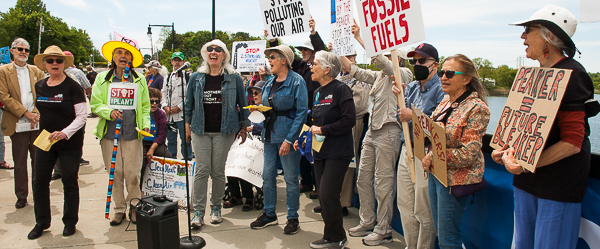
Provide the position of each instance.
(21, 203)
(132, 214)
(117, 219)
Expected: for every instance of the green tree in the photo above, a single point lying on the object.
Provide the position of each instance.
(505, 76)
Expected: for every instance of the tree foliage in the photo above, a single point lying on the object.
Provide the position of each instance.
(23, 21)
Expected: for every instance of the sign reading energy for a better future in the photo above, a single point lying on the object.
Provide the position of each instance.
(285, 17)
(529, 112)
(386, 25)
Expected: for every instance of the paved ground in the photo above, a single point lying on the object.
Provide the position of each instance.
(93, 231)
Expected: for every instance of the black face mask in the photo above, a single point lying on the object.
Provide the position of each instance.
(421, 72)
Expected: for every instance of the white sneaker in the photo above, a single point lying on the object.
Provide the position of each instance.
(375, 239)
(359, 231)
(197, 220)
(215, 215)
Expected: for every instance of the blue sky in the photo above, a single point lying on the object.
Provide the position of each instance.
(476, 28)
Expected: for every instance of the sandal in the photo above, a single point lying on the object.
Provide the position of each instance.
(233, 202)
(248, 206)
(5, 165)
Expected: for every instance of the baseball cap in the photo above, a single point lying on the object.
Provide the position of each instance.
(425, 50)
(178, 55)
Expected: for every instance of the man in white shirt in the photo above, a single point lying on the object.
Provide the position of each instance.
(172, 103)
(17, 93)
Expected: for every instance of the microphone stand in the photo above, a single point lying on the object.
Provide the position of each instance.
(188, 242)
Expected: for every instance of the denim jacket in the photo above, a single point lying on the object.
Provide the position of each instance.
(292, 95)
(232, 96)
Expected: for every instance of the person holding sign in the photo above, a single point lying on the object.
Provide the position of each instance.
(286, 94)
(115, 96)
(548, 202)
(413, 198)
(155, 145)
(17, 93)
(334, 116)
(380, 150)
(62, 106)
(465, 116)
(214, 95)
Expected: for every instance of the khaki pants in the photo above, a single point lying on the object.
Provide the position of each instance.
(413, 203)
(377, 163)
(346, 195)
(128, 164)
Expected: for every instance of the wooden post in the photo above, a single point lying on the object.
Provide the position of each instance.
(401, 105)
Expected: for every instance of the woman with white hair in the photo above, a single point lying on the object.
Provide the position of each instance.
(334, 117)
(213, 97)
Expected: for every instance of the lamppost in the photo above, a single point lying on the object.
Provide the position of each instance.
(151, 44)
(172, 33)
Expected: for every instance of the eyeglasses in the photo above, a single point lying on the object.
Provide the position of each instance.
(449, 74)
(154, 101)
(421, 60)
(52, 60)
(21, 49)
(528, 29)
(217, 49)
(255, 93)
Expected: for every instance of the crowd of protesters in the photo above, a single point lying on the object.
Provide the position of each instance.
(331, 95)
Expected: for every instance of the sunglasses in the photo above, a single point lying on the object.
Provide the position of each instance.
(255, 93)
(52, 60)
(217, 49)
(528, 29)
(154, 101)
(449, 74)
(272, 57)
(421, 60)
(21, 49)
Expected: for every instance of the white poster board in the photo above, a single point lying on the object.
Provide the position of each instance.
(285, 17)
(249, 56)
(246, 161)
(386, 25)
(122, 96)
(342, 39)
(174, 179)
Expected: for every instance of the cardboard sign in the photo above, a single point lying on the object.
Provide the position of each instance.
(386, 25)
(285, 17)
(173, 185)
(342, 39)
(246, 161)
(424, 127)
(249, 56)
(4, 55)
(122, 96)
(529, 112)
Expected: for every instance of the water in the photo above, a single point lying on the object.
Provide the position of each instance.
(497, 103)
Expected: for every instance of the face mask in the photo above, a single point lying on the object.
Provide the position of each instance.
(421, 72)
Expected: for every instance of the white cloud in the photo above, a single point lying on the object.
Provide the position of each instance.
(78, 4)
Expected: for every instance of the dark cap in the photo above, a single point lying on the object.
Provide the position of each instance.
(259, 85)
(425, 50)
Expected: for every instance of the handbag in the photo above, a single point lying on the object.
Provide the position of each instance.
(469, 189)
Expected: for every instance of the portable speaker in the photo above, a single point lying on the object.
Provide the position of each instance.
(157, 223)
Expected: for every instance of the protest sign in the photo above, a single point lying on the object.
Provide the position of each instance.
(249, 56)
(4, 55)
(122, 96)
(425, 128)
(386, 25)
(342, 39)
(167, 177)
(121, 38)
(529, 112)
(246, 161)
(285, 17)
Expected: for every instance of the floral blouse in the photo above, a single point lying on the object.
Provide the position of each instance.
(464, 130)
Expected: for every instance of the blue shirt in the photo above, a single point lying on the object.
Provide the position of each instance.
(426, 100)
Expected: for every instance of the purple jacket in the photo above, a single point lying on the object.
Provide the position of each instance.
(160, 119)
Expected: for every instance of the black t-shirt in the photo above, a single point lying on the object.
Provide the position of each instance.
(213, 106)
(57, 109)
(334, 112)
(565, 180)
(276, 85)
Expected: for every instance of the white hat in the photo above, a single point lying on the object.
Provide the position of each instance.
(307, 44)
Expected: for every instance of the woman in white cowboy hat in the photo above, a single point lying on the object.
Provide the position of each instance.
(136, 115)
(548, 203)
(61, 103)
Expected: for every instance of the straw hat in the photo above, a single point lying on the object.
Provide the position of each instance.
(55, 51)
(108, 48)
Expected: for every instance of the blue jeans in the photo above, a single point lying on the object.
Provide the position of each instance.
(447, 212)
(542, 223)
(172, 141)
(290, 164)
